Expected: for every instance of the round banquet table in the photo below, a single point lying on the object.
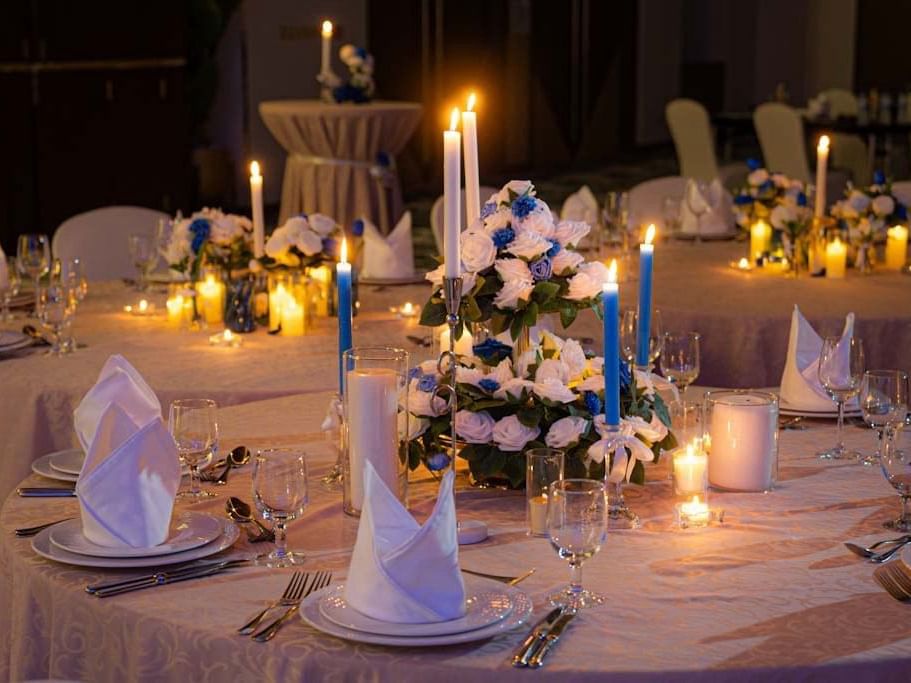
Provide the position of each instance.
(769, 594)
(333, 162)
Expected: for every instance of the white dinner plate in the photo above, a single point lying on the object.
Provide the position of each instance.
(43, 467)
(310, 613)
(791, 411)
(68, 462)
(188, 530)
(42, 545)
(13, 341)
(391, 281)
(485, 605)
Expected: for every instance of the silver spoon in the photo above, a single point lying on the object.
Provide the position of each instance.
(241, 512)
(238, 457)
(870, 551)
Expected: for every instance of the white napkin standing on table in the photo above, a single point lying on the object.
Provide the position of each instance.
(580, 206)
(800, 385)
(120, 383)
(717, 215)
(128, 483)
(402, 572)
(389, 257)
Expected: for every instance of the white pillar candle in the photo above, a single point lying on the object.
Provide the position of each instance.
(742, 430)
(470, 145)
(836, 258)
(537, 514)
(822, 160)
(372, 428)
(326, 33)
(256, 202)
(896, 247)
(690, 471)
(452, 171)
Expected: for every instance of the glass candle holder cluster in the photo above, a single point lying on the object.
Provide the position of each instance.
(691, 485)
(290, 309)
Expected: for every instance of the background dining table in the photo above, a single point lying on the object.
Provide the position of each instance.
(769, 593)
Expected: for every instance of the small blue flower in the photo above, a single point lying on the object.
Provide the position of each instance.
(488, 209)
(492, 351)
(541, 269)
(554, 248)
(414, 373)
(427, 383)
(200, 229)
(489, 385)
(766, 186)
(330, 245)
(360, 52)
(753, 164)
(625, 377)
(901, 211)
(879, 178)
(357, 228)
(592, 402)
(503, 236)
(437, 461)
(383, 159)
(801, 199)
(523, 206)
(743, 199)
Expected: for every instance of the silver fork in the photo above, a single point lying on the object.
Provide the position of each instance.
(321, 580)
(508, 580)
(292, 593)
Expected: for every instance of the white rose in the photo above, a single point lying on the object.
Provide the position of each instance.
(566, 261)
(309, 243)
(782, 215)
(429, 367)
(511, 293)
(540, 221)
(527, 359)
(570, 233)
(511, 435)
(596, 364)
(780, 180)
(512, 387)
(595, 270)
(518, 187)
(503, 372)
(566, 432)
(583, 286)
(883, 205)
(416, 425)
(478, 251)
(435, 276)
(321, 225)
(573, 357)
(552, 368)
(554, 390)
(497, 220)
(469, 375)
(653, 431)
(758, 177)
(644, 383)
(474, 427)
(513, 270)
(858, 201)
(278, 243)
(592, 383)
(423, 403)
(528, 245)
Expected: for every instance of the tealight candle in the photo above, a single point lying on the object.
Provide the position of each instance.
(896, 247)
(180, 308)
(408, 310)
(144, 307)
(836, 258)
(226, 338)
(742, 264)
(693, 512)
(537, 514)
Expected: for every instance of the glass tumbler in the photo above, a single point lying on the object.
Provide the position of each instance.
(543, 466)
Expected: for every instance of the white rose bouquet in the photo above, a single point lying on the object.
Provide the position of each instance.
(518, 262)
(302, 242)
(209, 237)
(866, 213)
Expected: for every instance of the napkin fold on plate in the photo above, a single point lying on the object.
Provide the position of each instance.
(400, 571)
(800, 385)
(717, 215)
(129, 480)
(388, 257)
(120, 383)
(580, 206)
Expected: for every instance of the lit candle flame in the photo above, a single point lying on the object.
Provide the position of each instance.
(344, 254)
(650, 234)
(254, 169)
(327, 29)
(612, 271)
(471, 102)
(454, 119)
(823, 143)
(743, 264)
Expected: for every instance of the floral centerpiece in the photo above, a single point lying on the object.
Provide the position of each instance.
(303, 242)
(360, 87)
(866, 213)
(518, 263)
(210, 237)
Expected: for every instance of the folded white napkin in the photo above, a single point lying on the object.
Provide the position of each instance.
(4, 270)
(120, 383)
(580, 206)
(800, 385)
(717, 217)
(402, 572)
(127, 485)
(388, 257)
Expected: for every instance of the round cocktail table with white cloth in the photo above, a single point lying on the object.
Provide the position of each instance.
(333, 164)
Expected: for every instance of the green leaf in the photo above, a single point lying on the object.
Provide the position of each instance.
(499, 323)
(472, 311)
(515, 328)
(546, 290)
(637, 476)
(494, 463)
(531, 314)
(568, 315)
(530, 417)
(433, 314)
(514, 469)
(415, 453)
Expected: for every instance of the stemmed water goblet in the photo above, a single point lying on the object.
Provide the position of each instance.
(629, 326)
(10, 288)
(670, 209)
(144, 253)
(895, 460)
(193, 423)
(884, 403)
(697, 192)
(840, 371)
(33, 258)
(72, 276)
(680, 359)
(280, 492)
(55, 310)
(577, 526)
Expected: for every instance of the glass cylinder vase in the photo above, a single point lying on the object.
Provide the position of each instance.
(375, 421)
(543, 466)
(289, 303)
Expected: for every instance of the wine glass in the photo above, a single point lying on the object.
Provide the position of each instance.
(72, 276)
(629, 326)
(680, 359)
(697, 192)
(10, 288)
(193, 423)
(840, 371)
(895, 461)
(577, 525)
(33, 257)
(884, 403)
(280, 493)
(616, 215)
(55, 310)
(144, 253)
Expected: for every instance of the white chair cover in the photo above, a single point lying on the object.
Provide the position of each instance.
(98, 238)
(689, 124)
(436, 214)
(848, 151)
(780, 132)
(646, 200)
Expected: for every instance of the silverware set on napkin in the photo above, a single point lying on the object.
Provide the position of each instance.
(542, 638)
(299, 587)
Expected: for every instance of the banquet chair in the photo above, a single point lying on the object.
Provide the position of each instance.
(694, 142)
(99, 239)
(646, 200)
(849, 152)
(436, 214)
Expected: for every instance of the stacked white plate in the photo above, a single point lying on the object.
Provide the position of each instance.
(491, 608)
(64, 465)
(193, 535)
(785, 408)
(13, 341)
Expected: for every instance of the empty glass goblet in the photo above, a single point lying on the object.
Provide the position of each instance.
(144, 253)
(629, 325)
(72, 276)
(895, 461)
(193, 423)
(840, 371)
(33, 257)
(884, 402)
(56, 306)
(280, 492)
(680, 359)
(577, 525)
(10, 288)
(696, 193)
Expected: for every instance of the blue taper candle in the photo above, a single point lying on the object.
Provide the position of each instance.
(343, 282)
(610, 298)
(646, 255)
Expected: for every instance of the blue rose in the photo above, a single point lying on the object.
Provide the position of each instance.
(329, 245)
(592, 402)
(523, 206)
(360, 52)
(200, 229)
(488, 209)
(489, 385)
(383, 159)
(492, 351)
(437, 461)
(503, 236)
(766, 186)
(801, 199)
(554, 248)
(541, 269)
(743, 199)
(625, 377)
(901, 211)
(879, 178)
(414, 373)
(753, 164)
(427, 383)
(357, 228)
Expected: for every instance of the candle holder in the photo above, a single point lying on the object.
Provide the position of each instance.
(334, 428)
(619, 514)
(452, 290)
(543, 466)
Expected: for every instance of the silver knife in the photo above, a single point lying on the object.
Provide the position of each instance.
(523, 652)
(166, 571)
(164, 579)
(45, 492)
(553, 635)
